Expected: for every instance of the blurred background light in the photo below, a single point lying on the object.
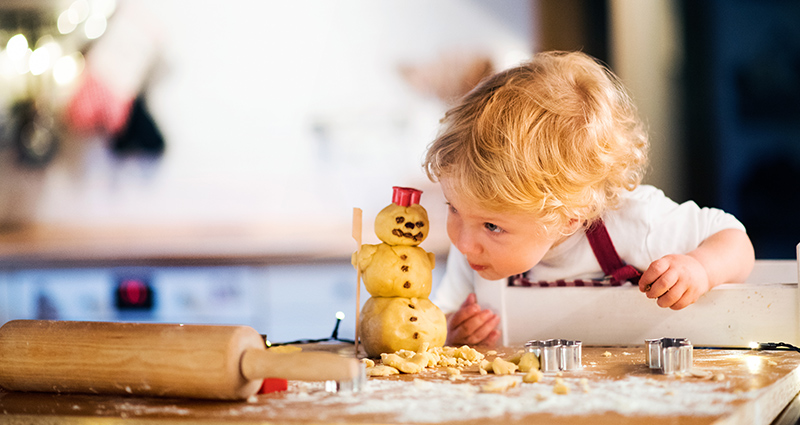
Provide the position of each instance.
(67, 68)
(64, 24)
(95, 26)
(78, 11)
(17, 47)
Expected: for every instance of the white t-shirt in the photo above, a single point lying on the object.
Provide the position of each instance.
(646, 226)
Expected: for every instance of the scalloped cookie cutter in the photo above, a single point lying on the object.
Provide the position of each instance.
(556, 354)
(669, 355)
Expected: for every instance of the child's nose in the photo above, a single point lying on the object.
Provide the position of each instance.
(465, 242)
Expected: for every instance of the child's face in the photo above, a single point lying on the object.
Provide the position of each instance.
(497, 245)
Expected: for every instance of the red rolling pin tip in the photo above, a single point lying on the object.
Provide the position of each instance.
(273, 385)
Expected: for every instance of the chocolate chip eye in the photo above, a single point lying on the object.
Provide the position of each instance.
(399, 219)
(409, 225)
(411, 306)
(407, 285)
(416, 335)
(404, 268)
(404, 257)
(420, 224)
(413, 318)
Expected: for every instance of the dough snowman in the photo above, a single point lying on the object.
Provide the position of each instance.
(397, 274)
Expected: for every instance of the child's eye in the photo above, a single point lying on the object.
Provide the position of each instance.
(451, 208)
(492, 227)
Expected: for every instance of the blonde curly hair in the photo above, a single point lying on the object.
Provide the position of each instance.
(557, 136)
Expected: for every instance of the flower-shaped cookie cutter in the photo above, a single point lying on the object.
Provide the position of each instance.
(556, 354)
(670, 355)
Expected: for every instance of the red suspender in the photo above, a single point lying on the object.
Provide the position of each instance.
(607, 255)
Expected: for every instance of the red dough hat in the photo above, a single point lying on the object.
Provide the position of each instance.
(405, 196)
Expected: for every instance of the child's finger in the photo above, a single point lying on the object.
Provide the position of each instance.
(665, 283)
(671, 297)
(466, 312)
(484, 328)
(653, 273)
(492, 339)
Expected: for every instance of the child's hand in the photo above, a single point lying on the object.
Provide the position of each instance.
(472, 326)
(676, 280)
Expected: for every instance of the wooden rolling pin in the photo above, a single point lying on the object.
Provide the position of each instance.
(150, 359)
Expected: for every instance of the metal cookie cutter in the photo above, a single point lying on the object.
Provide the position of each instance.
(670, 355)
(556, 354)
(355, 385)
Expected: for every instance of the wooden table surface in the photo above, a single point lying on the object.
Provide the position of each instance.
(737, 387)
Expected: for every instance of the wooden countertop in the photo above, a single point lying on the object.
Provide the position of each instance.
(739, 387)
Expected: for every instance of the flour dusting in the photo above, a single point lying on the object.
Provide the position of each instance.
(447, 401)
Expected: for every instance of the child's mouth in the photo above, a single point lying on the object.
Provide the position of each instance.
(477, 268)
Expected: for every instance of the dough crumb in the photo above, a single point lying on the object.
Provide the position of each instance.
(584, 383)
(528, 362)
(368, 362)
(500, 384)
(252, 399)
(607, 354)
(702, 374)
(382, 370)
(503, 367)
(533, 376)
(772, 362)
(718, 377)
(560, 387)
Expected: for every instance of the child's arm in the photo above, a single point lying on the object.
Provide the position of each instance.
(472, 326)
(679, 280)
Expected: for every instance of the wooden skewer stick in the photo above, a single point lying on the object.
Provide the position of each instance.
(357, 213)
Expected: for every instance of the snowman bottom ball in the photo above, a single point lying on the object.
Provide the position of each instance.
(390, 324)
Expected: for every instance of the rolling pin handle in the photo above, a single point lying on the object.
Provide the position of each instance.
(257, 364)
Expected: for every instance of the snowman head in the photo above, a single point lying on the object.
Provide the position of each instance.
(404, 221)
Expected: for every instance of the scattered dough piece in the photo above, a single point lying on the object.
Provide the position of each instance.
(469, 354)
(527, 362)
(500, 384)
(382, 370)
(515, 358)
(584, 383)
(534, 375)
(703, 374)
(607, 354)
(451, 371)
(503, 367)
(368, 362)
(485, 366)
(560, 387)
(406, 364)
(718, 377)
(491, 353)
(252, 399)
(772, 362)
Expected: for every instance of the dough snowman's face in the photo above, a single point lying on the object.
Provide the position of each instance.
(391, 324)
(399, 225)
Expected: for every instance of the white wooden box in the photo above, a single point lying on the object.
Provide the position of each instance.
(762, 309)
